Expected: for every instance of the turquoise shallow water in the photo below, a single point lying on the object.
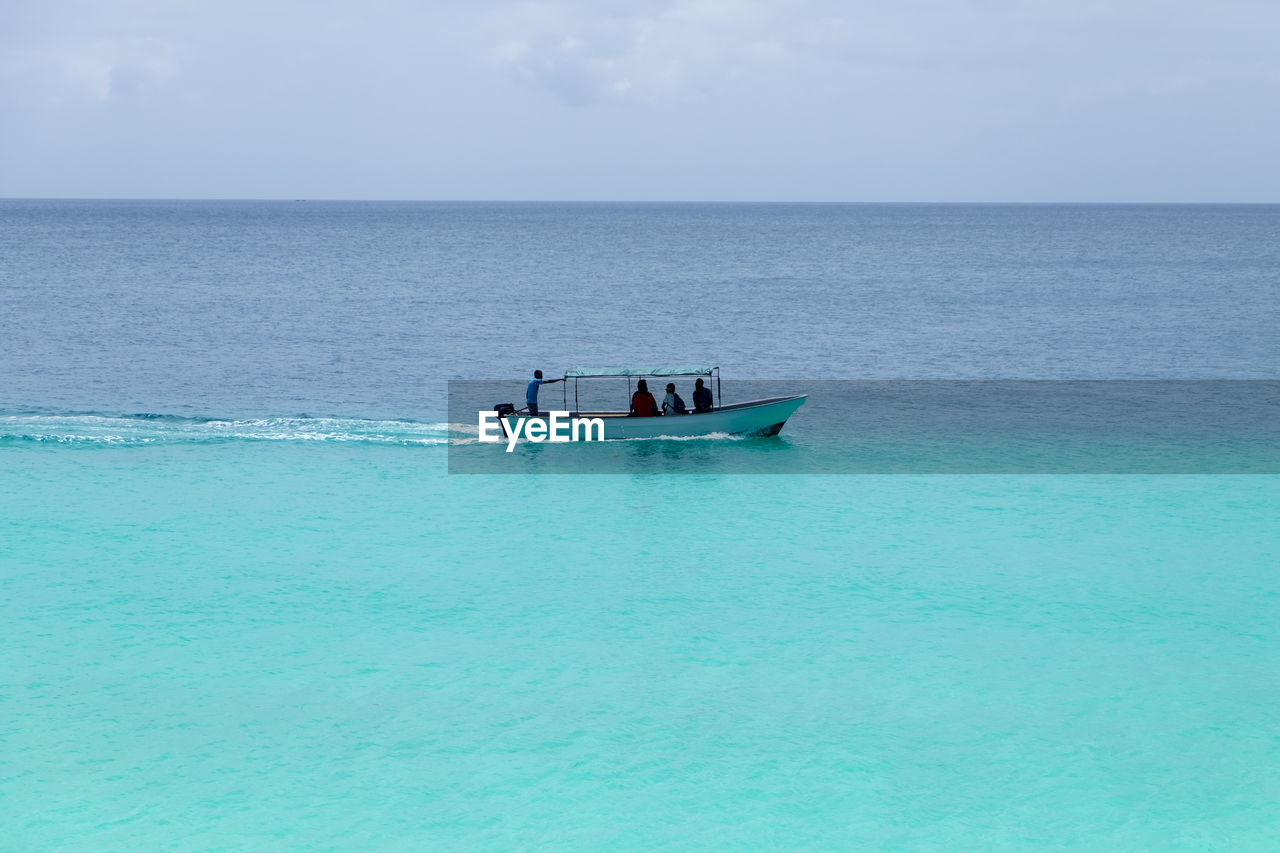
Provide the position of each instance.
(325, 645)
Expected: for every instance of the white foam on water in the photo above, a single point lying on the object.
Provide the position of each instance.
(711, 436)
(109, 430)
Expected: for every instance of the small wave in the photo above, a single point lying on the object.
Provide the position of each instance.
(146, 429)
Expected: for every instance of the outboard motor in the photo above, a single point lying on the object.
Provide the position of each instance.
(504, 409)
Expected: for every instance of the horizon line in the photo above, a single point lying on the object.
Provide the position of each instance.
(296, 200)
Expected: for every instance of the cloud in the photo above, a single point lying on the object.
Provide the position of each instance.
(97, 69)
(589, 51)
(586, 52)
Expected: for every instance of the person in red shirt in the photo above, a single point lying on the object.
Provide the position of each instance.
(642, 403)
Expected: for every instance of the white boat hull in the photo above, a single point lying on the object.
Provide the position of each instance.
(758, 417)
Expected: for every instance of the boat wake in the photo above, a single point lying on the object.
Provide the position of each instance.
(95, 429)
(714, 436)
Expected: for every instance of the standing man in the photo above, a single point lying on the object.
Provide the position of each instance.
(531, 395)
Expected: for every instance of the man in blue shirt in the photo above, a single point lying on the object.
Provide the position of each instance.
(531, 395)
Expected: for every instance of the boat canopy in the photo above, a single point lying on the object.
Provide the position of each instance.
(671, 370)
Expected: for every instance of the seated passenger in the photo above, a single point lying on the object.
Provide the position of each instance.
(701, 398)
(642, 403)
(672, 404)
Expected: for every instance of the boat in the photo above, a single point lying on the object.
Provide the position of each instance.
(752, 418)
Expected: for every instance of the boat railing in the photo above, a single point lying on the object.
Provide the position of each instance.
(640, 373)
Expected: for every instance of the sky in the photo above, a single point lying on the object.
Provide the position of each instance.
(693, 100)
